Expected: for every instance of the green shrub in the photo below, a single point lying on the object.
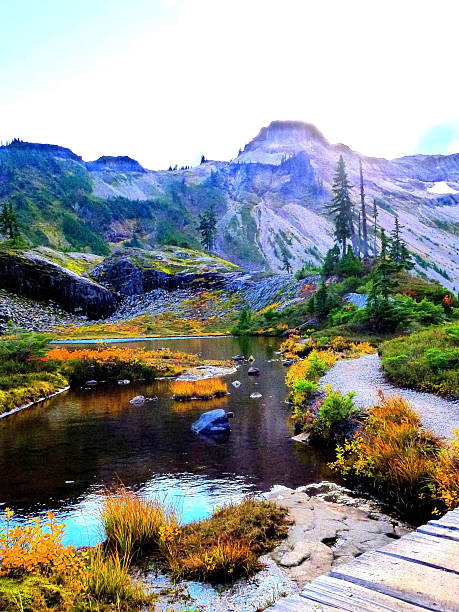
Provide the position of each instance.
(427, 360)
(336, 407)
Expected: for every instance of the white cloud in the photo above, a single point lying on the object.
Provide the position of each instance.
(366, 73)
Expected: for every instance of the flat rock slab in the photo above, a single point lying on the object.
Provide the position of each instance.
(324, 535)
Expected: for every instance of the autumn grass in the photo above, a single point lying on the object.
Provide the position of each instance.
(39, 573)
(209, 388)
(406, 466)
(134, 525)
(218, 549)
(114, 363)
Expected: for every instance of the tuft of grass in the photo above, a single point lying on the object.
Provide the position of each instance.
(108, 581)
(134, 525)
(218, 549)
(228, 544)
(206, 389)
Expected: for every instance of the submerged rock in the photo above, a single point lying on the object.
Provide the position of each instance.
(124, 382)
(91, 383)
(238, 358)
(255, 395)
(213, 422)
(236, 383)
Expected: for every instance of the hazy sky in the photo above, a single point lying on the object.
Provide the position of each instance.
(166, 80)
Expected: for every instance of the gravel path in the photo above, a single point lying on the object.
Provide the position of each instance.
(364, 376)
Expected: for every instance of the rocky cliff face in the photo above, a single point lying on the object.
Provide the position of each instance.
(32, 276)
(271, 198)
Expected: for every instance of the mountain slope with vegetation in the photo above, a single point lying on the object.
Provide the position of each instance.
(270, 202)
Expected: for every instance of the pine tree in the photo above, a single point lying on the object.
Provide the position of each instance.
(8, 221)
(364, 214)
(286, 260)
(208, 228)
(383, 275)
(375, 217)
(359, 244)
(396, 245)
(341, 206)
(203, 159)
(330, 262)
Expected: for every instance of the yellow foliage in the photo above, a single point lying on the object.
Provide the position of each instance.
(199, 389)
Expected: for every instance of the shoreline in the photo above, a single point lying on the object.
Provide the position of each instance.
(136, 339)
(37, 401)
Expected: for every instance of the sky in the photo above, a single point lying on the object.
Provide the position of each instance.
(165, 81)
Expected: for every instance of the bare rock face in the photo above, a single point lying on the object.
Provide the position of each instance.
(33, 276)
(109, 163)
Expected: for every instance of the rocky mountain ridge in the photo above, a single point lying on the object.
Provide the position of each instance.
(270, 199)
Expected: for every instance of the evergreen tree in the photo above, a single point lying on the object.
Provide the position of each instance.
(359, 244)
(8, 221)
(364, 214)
(286, 260)
(383, 274)
(375, 217)
(330, 262)
(203, 159)
(208, 228)
(341, 206)
(396, 244)
(398, 251)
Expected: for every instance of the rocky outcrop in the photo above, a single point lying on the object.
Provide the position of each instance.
(33, 276)
(47, 149)
(127, 277)
(122, 163)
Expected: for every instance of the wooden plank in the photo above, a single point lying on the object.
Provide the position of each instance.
(352, 597)
(295, 603)
(440, 532)
(418, 572)
(417, 584)
(427, 550)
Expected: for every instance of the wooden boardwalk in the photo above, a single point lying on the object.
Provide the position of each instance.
(418, 572)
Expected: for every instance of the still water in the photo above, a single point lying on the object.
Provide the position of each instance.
(60, 455)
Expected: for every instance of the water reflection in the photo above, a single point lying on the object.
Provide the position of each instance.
(60, 455)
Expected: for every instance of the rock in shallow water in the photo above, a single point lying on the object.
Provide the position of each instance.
(138, 400)
(214, 422)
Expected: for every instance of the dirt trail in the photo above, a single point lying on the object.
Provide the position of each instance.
(364, 376)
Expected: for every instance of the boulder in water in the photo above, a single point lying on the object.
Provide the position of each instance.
(253, 371)
(238, 358)
(124, 382)
(255, 395)
(91, 383)
(214, 422)
(236, 383)
(137, 400)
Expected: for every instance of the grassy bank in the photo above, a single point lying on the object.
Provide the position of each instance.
(38, 573)
(219, 549)
(29, 370)
(26, 372)
(409, 468)
(427, 360)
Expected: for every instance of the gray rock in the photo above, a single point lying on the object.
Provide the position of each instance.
(253, 371)
(213, 422)
(138, 400)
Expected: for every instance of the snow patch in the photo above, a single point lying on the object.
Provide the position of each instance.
(441, 188)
